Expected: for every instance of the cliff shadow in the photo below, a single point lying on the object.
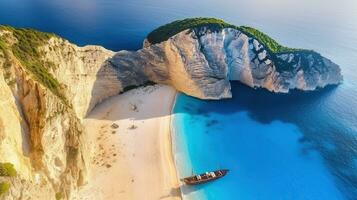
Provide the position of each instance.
(106, 84)
(141, 103)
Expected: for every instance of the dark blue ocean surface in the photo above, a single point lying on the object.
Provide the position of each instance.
(295, 146)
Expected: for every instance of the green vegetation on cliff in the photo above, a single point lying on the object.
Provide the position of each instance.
(265, 40)
(26, 50)
(4, 187)
(7, 169)
(59, 196)
(164, 32)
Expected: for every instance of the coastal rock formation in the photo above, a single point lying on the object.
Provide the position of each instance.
(41, 110)
(84, 72)
(48, 85)
(201, 62)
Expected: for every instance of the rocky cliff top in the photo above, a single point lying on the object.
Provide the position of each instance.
(204, 25)
(166, 31)
(47, 85)
(214, 52)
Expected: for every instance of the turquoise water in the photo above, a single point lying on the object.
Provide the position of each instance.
(296, 146)
(276, 146)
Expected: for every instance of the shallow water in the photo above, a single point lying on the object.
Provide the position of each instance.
(296, 146)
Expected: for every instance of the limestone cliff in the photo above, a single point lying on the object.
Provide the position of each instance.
(201, 62)
(47, 86)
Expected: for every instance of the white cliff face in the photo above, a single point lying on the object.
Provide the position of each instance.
(249, 62)
(307, 71)
(25, 143)
(40, 134)
(201, 63)
(178, 62)
(243, 58)
(84, 73)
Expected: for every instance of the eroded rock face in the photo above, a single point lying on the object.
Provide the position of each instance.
(35, 129)
(307, 71)
(84, 72)
(40, 132)
(201, 62)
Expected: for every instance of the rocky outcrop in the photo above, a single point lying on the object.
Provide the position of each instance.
(41, 131)
(201, 62)
(47, 144)
(84, 72)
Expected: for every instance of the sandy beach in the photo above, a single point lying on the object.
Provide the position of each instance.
(131, 150)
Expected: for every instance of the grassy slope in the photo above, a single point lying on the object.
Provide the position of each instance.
(4, 187)
(6, 170)
(26, 50)
(166, 31)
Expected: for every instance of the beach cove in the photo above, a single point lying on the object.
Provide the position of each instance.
(135, 159)
(300, 145)
(132, 159)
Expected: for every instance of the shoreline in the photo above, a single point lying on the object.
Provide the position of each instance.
(173, 143)
(134, 158)
(174, 152)
(180, 156)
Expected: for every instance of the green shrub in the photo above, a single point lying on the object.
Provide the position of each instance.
(164, 32)
(265, 40)
(4, 54)
(26, 50)
(2, 46)
(4, 187)
(59, 196)
(7, 169)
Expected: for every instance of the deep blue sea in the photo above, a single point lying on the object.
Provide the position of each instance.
(296, 146)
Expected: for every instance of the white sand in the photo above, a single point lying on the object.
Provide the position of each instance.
(132, 163)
